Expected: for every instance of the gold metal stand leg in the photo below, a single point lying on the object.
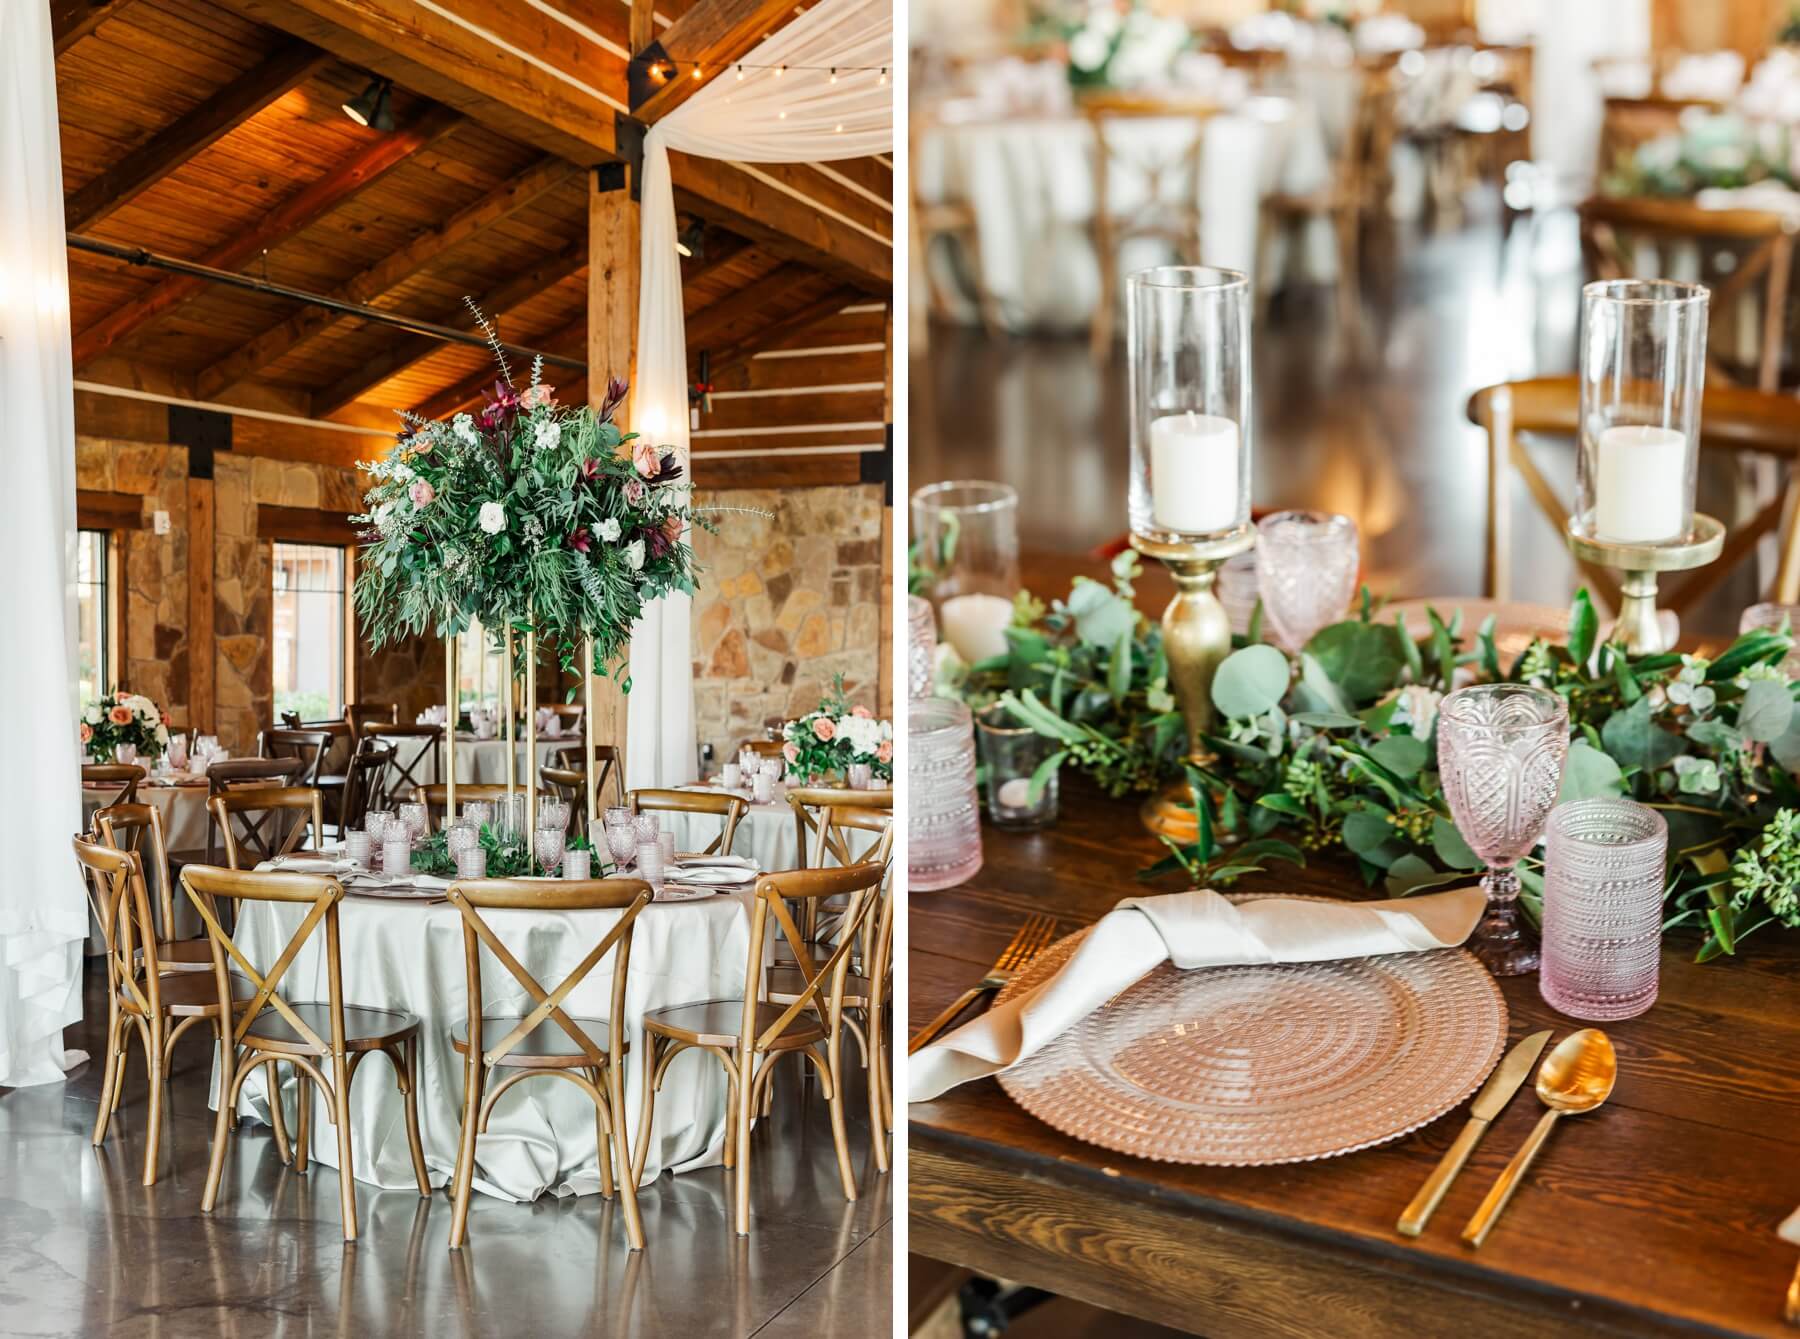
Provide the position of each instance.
(587, 735)
(450, 716)
(1638, 623)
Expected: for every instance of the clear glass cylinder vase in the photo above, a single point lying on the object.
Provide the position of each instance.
(967, 536)
(1643, 368)
(1188, 341)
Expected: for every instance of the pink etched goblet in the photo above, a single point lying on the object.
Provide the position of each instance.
(1501, 748)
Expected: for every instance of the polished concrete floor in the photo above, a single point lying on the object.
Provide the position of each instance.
(85, 1249)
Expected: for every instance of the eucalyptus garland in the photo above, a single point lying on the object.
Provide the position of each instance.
(1334, 751)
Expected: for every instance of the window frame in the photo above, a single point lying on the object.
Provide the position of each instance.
(347, 635)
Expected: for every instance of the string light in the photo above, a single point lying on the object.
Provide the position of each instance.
(833, 74)
(740, 70)
(883, 80)
(696, 72)
(780, 70)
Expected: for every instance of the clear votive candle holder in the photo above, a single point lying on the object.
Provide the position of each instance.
(650, 864)
(358, 848)
(731, 776)
(576, 864)
(472, 863)
(944, 821)
(396, 853)
(1603, 908)
(762, 789)
(1011, 754)
(921, 647)
(665, 842)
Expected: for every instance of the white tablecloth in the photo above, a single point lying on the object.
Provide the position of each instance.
(185, 821)
(766, 834)
(409, 956)
(1031, 183)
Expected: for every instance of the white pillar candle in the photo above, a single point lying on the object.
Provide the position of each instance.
(1194, 472)
(1640, 484)
(975, 625)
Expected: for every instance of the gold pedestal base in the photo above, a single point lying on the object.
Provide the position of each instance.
(1637, 625)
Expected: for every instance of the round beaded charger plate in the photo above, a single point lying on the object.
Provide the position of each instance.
(1252, 1065)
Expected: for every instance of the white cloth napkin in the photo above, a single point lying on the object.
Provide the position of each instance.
(1193, 929)
(1790, 1228)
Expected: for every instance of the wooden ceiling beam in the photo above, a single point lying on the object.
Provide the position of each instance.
(706, 326)
(291, 65)
(402, 354)
(72, 20)
(385, 274)
(643, 24)
(381, 153)
(711, 35)
(779, 223)
(808, 316)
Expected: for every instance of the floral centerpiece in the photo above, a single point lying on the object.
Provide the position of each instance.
(526, 515)
(1112, 44)
(828, 740)
(1334, 750)
(124, 718)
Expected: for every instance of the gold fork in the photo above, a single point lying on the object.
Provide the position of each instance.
(1036, 935)
(1792, 1311)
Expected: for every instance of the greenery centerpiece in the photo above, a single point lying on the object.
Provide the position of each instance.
(123, 718)
(827, 740)
(1110, 44)
(1335, 750)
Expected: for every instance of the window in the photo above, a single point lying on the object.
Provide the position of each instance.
(480, 669)
(310, 617)
(94, 612)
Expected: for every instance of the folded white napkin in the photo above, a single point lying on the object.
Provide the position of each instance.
(1790, 1228)
(1192, 929)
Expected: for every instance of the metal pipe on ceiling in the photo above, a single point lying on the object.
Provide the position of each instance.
(137, 255)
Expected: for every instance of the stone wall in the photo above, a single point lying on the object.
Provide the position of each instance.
(785, 604)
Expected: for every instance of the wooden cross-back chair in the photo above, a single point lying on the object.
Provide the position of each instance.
(819, 823)
(1731, 419)
(955, 221)
(571, 788)
(1628, 123)
(307, 745)
(435, 798)
(1170, 175)
(748, 1035)
(867, 986)
(728, 809)
(363, 781)
(588, 1052)
(138, 828)
(362, 716)
(334, 759)
(128, 776)
(606, 758)
(762, 748)
(272, 1029)
(1610, 229)
(266, 822)
(159, 1006)
(227, 775)
(418, 758)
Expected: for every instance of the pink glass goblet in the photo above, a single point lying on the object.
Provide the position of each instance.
(1501, 748)
(1306, 566)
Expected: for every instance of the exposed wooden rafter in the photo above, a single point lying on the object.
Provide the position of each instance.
(804, 319)
(293, 64)
(710, 35)
(497, 206)
(403, 353)
(72, 20)
(378, 156)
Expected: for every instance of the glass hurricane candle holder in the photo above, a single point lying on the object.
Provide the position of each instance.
(1010, 756)
(1643, 366)
(1501, 749)
(1189, 359)
(967, 535)
(1603, 908)
(1306, 567)
(944, 818)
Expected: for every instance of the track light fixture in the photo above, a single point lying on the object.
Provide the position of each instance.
(371, 106)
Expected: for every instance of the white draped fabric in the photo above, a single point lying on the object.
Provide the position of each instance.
(797, 117)
(43, 911)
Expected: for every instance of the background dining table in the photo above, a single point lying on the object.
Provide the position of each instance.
(185, 821)
(1655, 1215)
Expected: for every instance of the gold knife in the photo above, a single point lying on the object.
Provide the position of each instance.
(1506, 1079)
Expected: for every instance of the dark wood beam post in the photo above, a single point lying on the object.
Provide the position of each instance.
(72, 20)
(202, 645)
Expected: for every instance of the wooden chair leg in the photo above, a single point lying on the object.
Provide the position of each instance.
(223, 1125)
(302, 1119)
(646, 1113)
(153, 1128)
(277, 1118)
(839, 1136)
(409, 1051)
(615, 1097)
(113, 1062)
(340, 1082)
(745, 1096)
(603, 1149)
(464, 1179)
(877, 1062)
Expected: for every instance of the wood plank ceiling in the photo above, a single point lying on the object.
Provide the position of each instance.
(204, 131)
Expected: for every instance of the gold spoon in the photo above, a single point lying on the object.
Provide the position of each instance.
(1575, 1077)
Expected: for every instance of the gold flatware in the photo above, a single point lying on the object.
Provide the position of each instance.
(1575, 1077)
(1036, 935)
(1792, 1312)
(1508, 1075)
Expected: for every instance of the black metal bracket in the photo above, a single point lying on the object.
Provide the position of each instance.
(647, 73)
(877, 467)
(989, 1307)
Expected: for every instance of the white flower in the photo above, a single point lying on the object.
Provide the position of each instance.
(402, 471)
(861, 733)
(1418, 707)
(1088, 50)
(162, 734)
(464, 427)
(609, 530)
(92, 714)
(548, 434)
(634, 555)
(493, 517)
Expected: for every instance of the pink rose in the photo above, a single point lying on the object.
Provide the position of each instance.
(422, 493)
(122, 716)
(645, 459)
(886, 752)
(536, 397)
(789, 750)
(421, 445)
(863, 712)
(635, 492)
(824, 729)
(87, 733)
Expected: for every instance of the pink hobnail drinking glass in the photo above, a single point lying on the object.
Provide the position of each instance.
(944, 822)
(1501, 748)
(1603, 908)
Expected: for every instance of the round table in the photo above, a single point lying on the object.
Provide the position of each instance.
(408, 955)
(185, 822)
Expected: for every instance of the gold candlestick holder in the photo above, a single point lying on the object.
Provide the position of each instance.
(1196, 637)
(1638, 566)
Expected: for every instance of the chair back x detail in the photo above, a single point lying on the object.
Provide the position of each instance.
(127, 776)
(729, 809)
(267, 822)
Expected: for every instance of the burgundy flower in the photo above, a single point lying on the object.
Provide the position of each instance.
(670, 471)
(501, 409)
(615, 396)
(590, 469)
(580, 540)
